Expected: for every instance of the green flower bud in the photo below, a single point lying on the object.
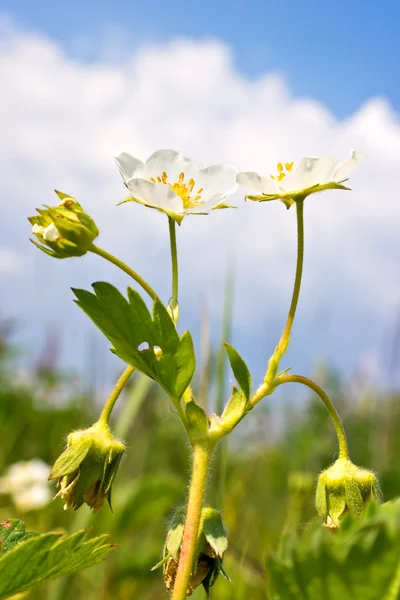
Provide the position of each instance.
(211, 545)
(64, 230)
(343, 488)
(87, 468)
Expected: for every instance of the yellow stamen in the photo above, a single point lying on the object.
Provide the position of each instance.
(281, 171)
(182, 189)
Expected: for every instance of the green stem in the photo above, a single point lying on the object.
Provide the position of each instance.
(121, 265)
(299, 272)
(333, 413)
(119, 386)
(281, 348)
(174, 261)
(201, 465)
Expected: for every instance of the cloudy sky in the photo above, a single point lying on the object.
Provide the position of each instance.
(249, 84)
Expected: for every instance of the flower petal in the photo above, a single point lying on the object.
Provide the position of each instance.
(128, 165)
(171, 162)
(312, 170)
(207, 206)
(257, 184)
(155, 194)
(342, 172)
(216, 179)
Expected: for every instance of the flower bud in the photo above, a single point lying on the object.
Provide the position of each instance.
(343, 488)
(87, 468)
(64, 230)
(211, 545)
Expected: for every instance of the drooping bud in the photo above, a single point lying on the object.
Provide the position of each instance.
(64, 230)
(87, 468)
(211, 546)
(343, 488)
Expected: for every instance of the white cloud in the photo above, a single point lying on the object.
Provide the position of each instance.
(62, 120)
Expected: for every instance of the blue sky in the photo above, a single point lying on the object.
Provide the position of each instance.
(246, 83)
(340, 52)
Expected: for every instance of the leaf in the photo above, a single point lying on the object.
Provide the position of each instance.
(70, 459)
(185, 363)
(234, 409)
(12, 532)
(359, 562)
(197, 421)
(32, 558)
(175, 534)
(214, 531)
(240, 370)
(151, 344)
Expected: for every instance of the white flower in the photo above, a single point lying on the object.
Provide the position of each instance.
(171, 183)
(27, 483)
(313, 174)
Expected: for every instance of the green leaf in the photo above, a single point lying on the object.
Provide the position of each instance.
(240, 370)
(185, 363)
(234, 409)
(175, 534)
(32, 558)
(359, 562)
(197, 421)
(150, 344)
(70, 459)
(12, 532)
(214, 531)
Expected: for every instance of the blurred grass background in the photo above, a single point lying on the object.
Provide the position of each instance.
(269, 469)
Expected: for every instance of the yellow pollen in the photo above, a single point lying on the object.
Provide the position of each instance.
(281, 170)
(182, 189)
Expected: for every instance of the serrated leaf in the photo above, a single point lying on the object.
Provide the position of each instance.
(35, 558)
(150, 344)
(12, 532)
(359, 562)
(240, 370)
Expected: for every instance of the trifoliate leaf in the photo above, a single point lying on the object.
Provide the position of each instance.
(150, 343)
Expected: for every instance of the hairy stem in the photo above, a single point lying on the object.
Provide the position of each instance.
(121, 265)
(201, 464)
(174, 261)
(337, 423)
(119, 386)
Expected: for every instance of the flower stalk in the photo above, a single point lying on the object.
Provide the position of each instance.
(273, 364)
(119, 386)
(124, 267)
(333, 413)
(174, 262)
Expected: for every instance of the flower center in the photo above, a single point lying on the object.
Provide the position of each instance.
(182, 189)
(281, 170)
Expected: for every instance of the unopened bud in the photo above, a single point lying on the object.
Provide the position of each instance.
(343, 488)
(87, 468)
(64, 230)
(211, 545)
